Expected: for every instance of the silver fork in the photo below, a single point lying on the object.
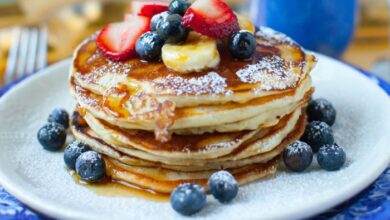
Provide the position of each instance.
(28, 52)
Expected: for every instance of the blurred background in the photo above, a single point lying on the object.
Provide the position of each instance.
(357, 32)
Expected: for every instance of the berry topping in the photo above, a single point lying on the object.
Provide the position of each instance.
(171, 29)
(117, 40)
(60, 116)
(156, 20)
(179, 7)
(242, 45)
(52, 136)
(298, 156)
(72, 152)
(148, 8)
(149, 46)
(188, 198)
(90, 166)
(223, 186)
(212, 18)
(321, 110)
(331, 157)
(317, 134)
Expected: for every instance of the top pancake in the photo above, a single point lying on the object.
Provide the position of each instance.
(278, 65)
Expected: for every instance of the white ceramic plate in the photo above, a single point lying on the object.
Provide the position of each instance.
(39, 179)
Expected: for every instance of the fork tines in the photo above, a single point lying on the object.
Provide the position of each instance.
(28, 52)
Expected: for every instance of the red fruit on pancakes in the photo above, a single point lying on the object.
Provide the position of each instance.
(117, 40)
(148, 8)
(212, 18)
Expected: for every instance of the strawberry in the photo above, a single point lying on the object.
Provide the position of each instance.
(148, 8)
(212, 18)
(117, 40)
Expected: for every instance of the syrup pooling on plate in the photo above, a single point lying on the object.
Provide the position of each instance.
(112, 188)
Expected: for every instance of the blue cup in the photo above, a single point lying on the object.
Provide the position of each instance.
(326, 26)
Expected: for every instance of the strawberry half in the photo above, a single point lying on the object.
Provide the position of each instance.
(117, 40)
(212, 18)
(148, 8)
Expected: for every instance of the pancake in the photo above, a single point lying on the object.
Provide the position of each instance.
(157, 128)
(139, 158)
(192, 147)
(161, 181)
(281, 62)
(195, 117)
(164, 178)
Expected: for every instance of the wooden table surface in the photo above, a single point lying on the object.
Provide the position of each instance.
(369, 45)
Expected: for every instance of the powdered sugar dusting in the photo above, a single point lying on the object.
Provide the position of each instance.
(318, 129)
(297, 147)
(91, 157)
(111, 67)
(332, 149)
(272, 72)
(54, 128)
(217, 146)
(224, 177)
(212, 83)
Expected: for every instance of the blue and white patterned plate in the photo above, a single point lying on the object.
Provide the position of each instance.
(38, 178)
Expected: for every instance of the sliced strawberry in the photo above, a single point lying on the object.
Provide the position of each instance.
(117, 40)
(148, 8)
(212, 18)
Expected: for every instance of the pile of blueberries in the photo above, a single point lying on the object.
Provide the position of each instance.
(318, 138)
(190, 198)
(89, 165)
(167, 27)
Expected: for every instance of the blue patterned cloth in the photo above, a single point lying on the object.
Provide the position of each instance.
(10, 208)
(371, 203)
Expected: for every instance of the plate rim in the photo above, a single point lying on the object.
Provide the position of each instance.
(43, 207)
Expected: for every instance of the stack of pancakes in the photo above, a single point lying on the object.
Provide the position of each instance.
(158, 128)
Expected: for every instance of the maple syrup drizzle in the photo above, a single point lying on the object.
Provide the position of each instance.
(112, 188)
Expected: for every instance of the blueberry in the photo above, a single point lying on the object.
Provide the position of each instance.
(171, 30)
(317, 134)
(73, 151)
(321, 110)
(149, 45)
(298, 156)
(60, 116)
(188, 198)
(179, 7)
(223, 186)
(331, 157)
(52, 136)
(156, 20)
(242, 45)
(90, 166)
